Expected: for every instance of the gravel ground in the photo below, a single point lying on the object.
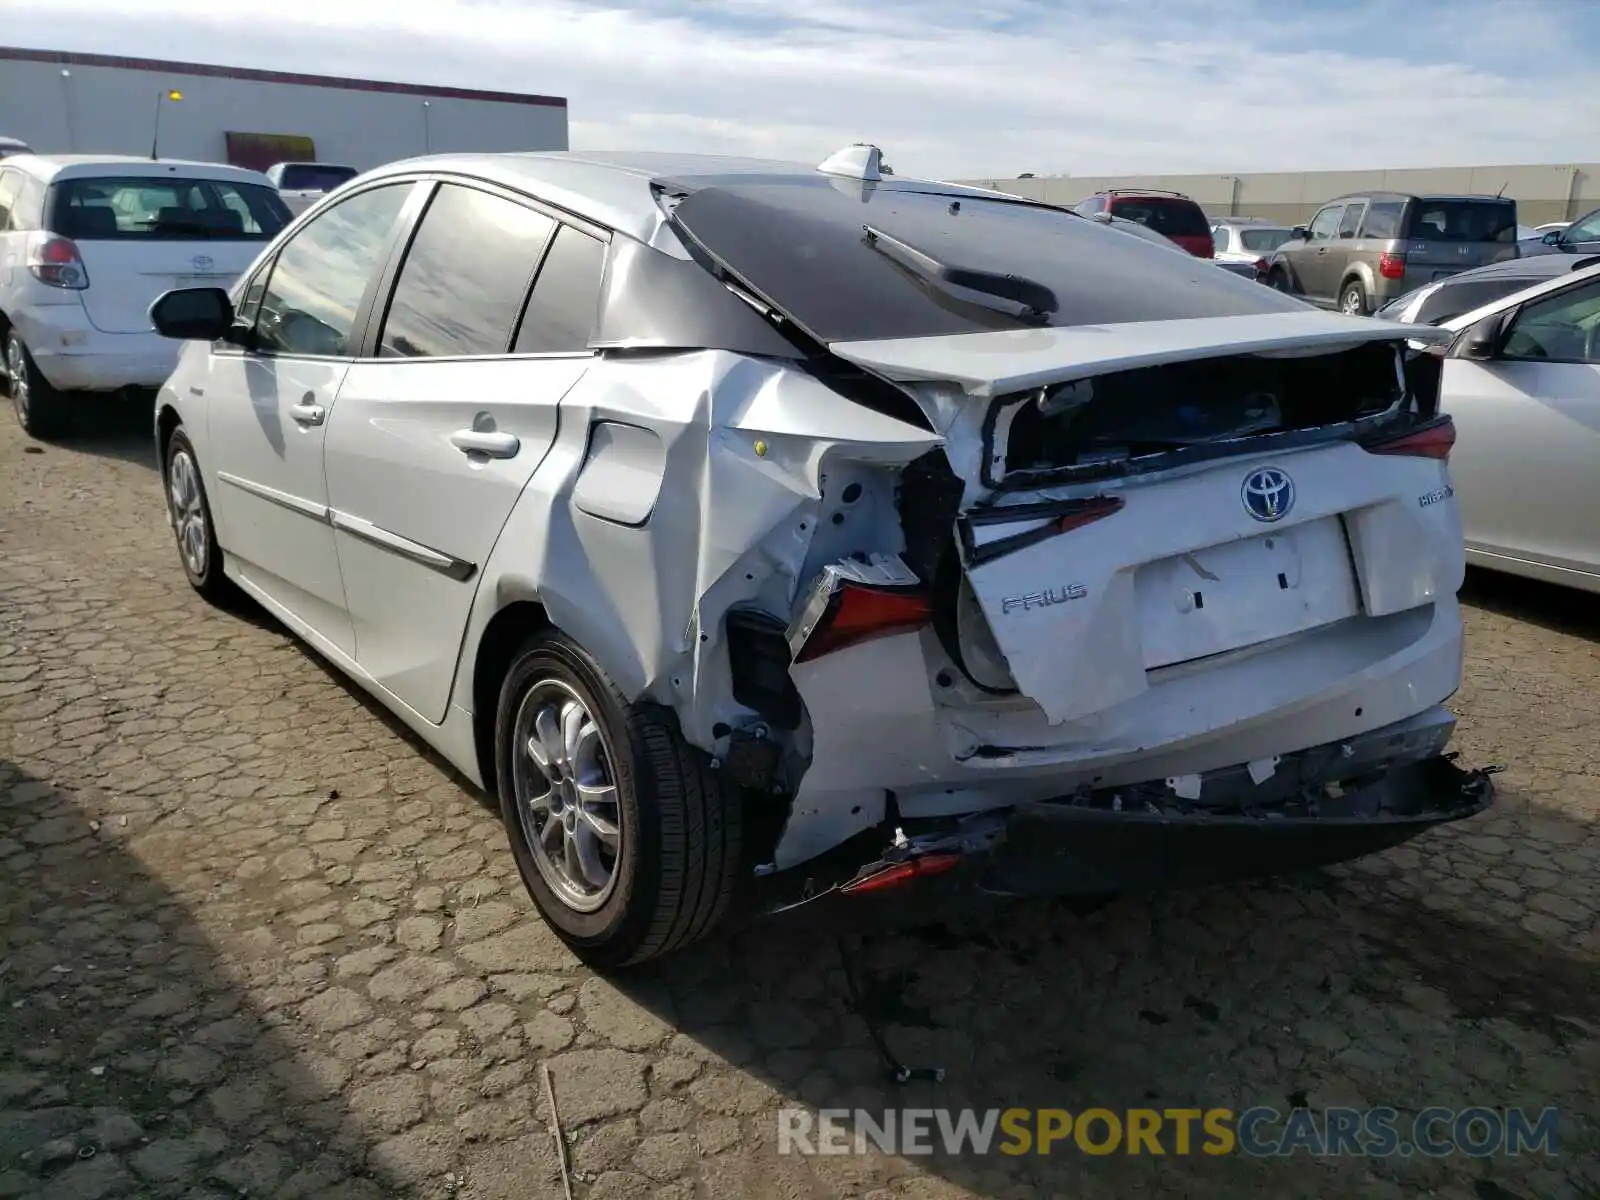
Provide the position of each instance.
(255, 941)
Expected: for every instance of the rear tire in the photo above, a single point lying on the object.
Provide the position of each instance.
(1277, 280)
(40, 409)
(1353, 299)
(574, 759)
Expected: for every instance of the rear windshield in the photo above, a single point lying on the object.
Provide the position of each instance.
(1172, 216)
(1452, 300)
(314, 177)
(803, 245)
(1260, 241)
(166, 209)
(1457, 220)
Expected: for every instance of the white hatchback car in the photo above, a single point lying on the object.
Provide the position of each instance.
(86, 243)
(758, 532)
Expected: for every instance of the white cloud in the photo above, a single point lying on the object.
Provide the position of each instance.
(947, 88)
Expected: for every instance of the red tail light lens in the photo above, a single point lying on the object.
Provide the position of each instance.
(1436, 441)
(55, 261)
(1088, 511)
(858, 613)
(905, 872)
(1392, 266)
(1261, 266)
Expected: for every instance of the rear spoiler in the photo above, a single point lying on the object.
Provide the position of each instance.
(1003, 361)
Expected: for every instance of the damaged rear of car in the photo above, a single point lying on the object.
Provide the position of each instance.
(993, 545)
(1173, 598)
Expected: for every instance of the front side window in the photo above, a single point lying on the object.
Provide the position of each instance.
(565, 300)
(1325, 223)
(1585, 229)
(1088, 208)
(316, 287)
(1559, 328)
(161, 208)
(464, 276)
(1351, 221)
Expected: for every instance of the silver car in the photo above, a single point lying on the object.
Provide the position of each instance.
(1522, 381)
(1243, 245)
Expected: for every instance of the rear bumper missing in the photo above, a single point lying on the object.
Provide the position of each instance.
(1320, 806)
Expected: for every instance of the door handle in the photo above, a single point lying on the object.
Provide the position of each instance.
(487, 442)
(308, 414)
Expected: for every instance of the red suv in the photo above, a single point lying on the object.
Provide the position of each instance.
(1171, 214)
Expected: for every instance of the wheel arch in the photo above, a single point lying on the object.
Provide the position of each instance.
(1361, 273)
(167, 419)
(507, 629)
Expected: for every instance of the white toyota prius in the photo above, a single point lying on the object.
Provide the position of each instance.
(763, 535)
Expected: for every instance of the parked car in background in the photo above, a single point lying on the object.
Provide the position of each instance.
(1551, 227)
(1361, 251)
(302, 184)
(86, 243)
(1241, 244)
(10, 146)
(932, 533)
(1522, 382)
(1434, 303)
(1171, 214)
(1580, 237)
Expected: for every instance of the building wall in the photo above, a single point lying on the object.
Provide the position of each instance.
(70, 103)
(1542, 193)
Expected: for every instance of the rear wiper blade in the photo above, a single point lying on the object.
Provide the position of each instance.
(1031, 294)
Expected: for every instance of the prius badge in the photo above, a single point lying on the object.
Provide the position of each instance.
(1268, 494)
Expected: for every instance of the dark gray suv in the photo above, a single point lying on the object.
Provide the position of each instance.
(1361, 251)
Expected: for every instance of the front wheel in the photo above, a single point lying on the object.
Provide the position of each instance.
(1353, 299)
(626, 839)
(189, 513)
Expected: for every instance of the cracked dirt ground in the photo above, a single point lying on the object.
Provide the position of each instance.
(254, 942)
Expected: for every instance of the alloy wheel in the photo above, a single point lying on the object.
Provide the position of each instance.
(188, 511)
(17, 378)
(566, 795)
(1352, 302)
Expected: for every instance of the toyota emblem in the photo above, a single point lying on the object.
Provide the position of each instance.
(202, 262)
(1268, 494)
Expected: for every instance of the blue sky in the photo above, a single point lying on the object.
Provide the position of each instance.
(958, 90)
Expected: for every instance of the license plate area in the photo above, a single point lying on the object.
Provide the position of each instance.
(1241, 593)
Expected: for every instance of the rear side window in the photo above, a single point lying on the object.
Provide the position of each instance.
(1088, 208)
(1170, 217)
(1351, 221)
(10, 186)
(1463, 220)
(166, 209)
(314, 177)
(464, 276)
(1383, 219)
(1219, 239)
(565, 299)
(1263, 241)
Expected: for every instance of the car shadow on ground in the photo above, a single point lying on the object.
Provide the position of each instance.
(1547, 605)
(121, 431)
(1362, 985)
(131, 1059)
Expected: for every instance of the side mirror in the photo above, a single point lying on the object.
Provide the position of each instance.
(1553, 238)
(1299, 233)
(193, 314)
(1103, 217)
(1480, 342)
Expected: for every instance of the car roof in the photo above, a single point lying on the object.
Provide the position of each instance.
(614, 189)
(51, 167)
(1536, 267)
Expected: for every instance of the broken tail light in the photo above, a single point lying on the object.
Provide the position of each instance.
(1392, 266)
(858, 612)
(1436, 441)
(902, 873)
